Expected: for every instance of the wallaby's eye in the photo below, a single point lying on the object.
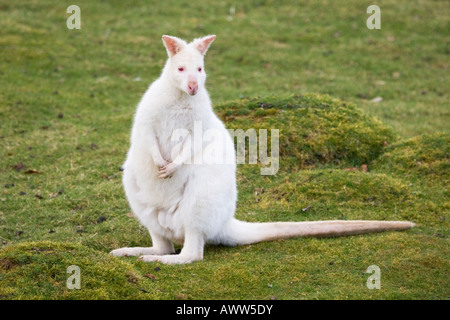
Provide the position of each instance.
(181, 69)
(199, 69)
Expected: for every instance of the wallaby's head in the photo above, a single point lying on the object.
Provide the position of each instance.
(185, 65)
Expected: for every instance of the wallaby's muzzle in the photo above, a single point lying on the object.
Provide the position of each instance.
(192, 88)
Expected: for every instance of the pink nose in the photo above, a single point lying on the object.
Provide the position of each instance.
(192, 88)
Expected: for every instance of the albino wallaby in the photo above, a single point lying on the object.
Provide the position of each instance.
(184, 201)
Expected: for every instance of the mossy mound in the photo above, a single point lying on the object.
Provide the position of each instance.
(337, 194)
(38, 270)
(313, 128)
(422, 157)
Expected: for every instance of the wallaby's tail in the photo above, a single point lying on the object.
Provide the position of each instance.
(239, 232)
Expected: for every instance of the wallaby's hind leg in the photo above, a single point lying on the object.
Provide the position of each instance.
(193, 210)
(192, 251)
(161, 245)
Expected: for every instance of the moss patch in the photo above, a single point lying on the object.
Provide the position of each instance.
(38, 270)
(313, 128)
(423, 157)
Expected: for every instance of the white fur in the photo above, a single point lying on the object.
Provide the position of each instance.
(186, 203)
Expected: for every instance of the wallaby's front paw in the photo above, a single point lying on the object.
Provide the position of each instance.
(161, 163)
(168, 170)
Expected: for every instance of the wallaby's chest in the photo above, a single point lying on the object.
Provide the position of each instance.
(173, 125)
(176, 118)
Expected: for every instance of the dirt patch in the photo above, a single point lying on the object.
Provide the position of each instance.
(7, 263)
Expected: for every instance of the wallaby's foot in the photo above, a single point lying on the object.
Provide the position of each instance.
(169, 259)
(192, 251)
(138, 251)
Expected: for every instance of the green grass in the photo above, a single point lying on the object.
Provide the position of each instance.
(67, 100)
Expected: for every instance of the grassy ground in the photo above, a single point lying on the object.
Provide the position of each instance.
(67, 99)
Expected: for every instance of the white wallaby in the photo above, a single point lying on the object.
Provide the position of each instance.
(181, 200)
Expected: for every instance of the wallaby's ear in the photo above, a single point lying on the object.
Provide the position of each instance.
(203, 44)
(173, 45)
